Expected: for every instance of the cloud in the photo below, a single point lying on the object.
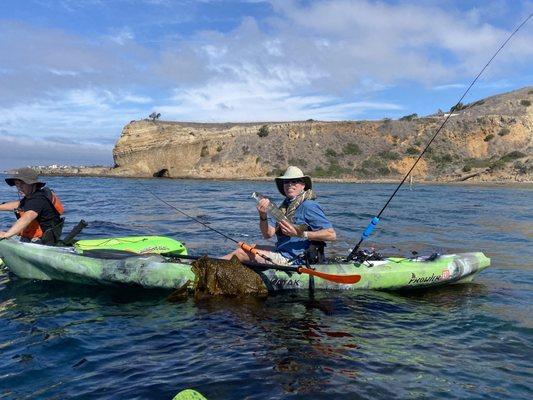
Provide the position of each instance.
(86, 115)
(43, 62)
(294, 60)
(451, 86)
(393, 42)
(22, 151)
(123, 36)
(261, 100)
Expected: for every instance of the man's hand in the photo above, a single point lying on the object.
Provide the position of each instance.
(262, 206)
(21, 224)
(288, 229)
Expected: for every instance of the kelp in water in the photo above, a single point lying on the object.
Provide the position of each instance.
(226, 278)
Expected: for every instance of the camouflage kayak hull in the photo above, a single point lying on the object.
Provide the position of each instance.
(32, 261)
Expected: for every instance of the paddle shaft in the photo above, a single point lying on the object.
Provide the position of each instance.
(343, 279)
(252, 265)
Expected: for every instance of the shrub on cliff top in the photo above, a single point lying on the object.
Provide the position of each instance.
(389, 155)
(504, 131)
(459, 106)
(153, 116)
(373, 167)
(477, 103)
(409, 117)
(331, 153)
(477, 163)
(441, 159)
(334, 170)
(525, 103)
(489, 137)
(263, 131)
(498, 165)
(513, 155)
(351, 149)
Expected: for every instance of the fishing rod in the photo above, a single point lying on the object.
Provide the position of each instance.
(374, 221)
(344, 279)
(242, 245)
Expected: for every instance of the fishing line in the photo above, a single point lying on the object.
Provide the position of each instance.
(343, 279)
(242, 245)
(373, 223)
(191, 217)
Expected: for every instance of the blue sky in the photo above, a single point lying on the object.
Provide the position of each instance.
(74, 72)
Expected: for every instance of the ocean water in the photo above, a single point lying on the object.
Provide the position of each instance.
(63, 341)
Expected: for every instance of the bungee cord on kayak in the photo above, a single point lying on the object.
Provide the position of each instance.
(374, 221)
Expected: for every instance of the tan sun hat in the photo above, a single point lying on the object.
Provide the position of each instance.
(26, 175)
(293, 173)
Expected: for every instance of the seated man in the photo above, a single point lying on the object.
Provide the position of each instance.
(305, 222)
(38, 212)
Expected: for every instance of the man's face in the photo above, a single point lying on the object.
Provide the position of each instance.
(293, 187)
(23, 187)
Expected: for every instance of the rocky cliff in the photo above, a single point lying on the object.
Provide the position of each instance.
(488, 140)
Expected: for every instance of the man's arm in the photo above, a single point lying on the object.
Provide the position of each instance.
(20, 225)
(9, 206)
(323, 235)
(267, 230)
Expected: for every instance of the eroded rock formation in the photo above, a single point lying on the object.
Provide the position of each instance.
(488, 140)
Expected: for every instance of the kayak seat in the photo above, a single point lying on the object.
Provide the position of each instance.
(53, 235)
(69, 240)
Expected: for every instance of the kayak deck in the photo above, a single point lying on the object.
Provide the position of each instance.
(33, 261)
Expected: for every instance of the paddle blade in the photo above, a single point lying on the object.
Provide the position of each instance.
(346, 279)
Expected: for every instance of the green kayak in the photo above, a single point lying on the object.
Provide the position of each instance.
(189, 394)
(33, 261)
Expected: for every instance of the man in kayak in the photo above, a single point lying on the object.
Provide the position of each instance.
(305, 222)
(38, 212)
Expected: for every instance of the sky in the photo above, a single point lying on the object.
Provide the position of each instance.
(74, 72)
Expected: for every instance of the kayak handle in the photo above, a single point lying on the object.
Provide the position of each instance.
(370, 228)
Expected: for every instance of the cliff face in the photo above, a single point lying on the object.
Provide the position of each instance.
(489, 140)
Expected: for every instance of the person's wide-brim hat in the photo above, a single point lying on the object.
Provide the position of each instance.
(293, 173)
(26, 175)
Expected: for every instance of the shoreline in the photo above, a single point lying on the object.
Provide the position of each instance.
(522, 184)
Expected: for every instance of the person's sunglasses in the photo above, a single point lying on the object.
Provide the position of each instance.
(289, 181)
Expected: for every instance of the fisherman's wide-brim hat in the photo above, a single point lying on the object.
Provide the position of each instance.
(26, 175)
(293, 173)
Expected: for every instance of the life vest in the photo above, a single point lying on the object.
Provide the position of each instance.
(34, 229)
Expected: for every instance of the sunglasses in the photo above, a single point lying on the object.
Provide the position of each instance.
(289, 181)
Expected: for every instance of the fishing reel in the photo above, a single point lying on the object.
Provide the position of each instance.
(367, 255)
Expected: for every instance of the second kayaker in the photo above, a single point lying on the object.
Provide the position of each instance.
(306, 222)
(38, 212)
